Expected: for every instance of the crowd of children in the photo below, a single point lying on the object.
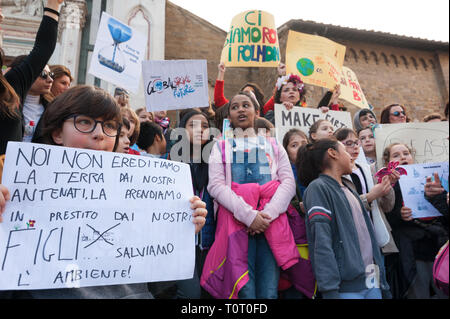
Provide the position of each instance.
(300, 219)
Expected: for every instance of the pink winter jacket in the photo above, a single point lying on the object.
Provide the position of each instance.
(219, 186)
(225, 270)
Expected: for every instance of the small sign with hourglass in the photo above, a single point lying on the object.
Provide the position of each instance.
(118, 53)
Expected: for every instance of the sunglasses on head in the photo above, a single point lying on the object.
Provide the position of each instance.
(45, 74)
(397, 113)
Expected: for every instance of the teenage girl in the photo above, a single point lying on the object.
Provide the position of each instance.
(251, 179)
(87, 117)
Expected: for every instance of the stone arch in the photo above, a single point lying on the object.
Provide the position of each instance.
(140, 15)
(405, 62)
(394, 58)
(353, 54)
(374, 56)
(433, 66)
(385, 58)
(414, 62)
(364, 55)
(424, 64)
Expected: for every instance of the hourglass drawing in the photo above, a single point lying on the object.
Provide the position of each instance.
(112, 56)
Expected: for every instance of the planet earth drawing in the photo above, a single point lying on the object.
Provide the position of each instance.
(305, 66)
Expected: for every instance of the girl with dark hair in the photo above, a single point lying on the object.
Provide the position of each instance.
(252, 182)
(394, 113)
(292, 141)
(342, 244)
(87, 117)
(152, 141)
(196, 141)
(74, 108)
(15, 84)
(289, 91)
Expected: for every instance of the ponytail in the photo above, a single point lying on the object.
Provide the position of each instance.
(311, 159)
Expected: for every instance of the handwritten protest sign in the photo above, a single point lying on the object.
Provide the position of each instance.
(175, 84)
(429, 140)
(252, 41)
(412, 187)
(81, 218)
(118, 53)
(303, 118)
(317, 60)
(351, 90)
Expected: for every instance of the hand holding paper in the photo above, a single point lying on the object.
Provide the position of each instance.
(199, 214)
(4, 197)
(433, 188)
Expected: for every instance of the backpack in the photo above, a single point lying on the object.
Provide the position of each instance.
(440, 269)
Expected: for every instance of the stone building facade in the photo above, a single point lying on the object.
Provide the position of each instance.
(390, 68)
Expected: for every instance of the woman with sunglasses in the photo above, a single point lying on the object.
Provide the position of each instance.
(15, 84)
(36, 101)
(393, 114)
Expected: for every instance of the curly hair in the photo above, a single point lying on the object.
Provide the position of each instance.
(295, 79)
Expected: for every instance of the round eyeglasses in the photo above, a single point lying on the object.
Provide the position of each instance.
(352, 143)
(86, 124)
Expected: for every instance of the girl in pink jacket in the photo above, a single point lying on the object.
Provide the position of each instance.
(251, 179)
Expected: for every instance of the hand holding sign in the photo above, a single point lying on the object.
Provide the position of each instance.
(118, 53)
(75, 214)
(252, 41)
(199, 214)
(4, 197)
(433, 187)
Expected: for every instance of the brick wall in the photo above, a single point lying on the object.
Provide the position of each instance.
(190, 37)
(418, 79)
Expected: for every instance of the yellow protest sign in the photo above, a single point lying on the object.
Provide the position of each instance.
(351, 90)
(252, 41)
(317, 60)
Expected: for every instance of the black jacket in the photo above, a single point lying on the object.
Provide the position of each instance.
(22, 77)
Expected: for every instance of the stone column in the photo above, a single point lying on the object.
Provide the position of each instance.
(73, 18)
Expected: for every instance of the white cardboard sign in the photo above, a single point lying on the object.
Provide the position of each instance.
(175, 84)
(118, 53)
(81, 218)
(303, 118)
(412, 186)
